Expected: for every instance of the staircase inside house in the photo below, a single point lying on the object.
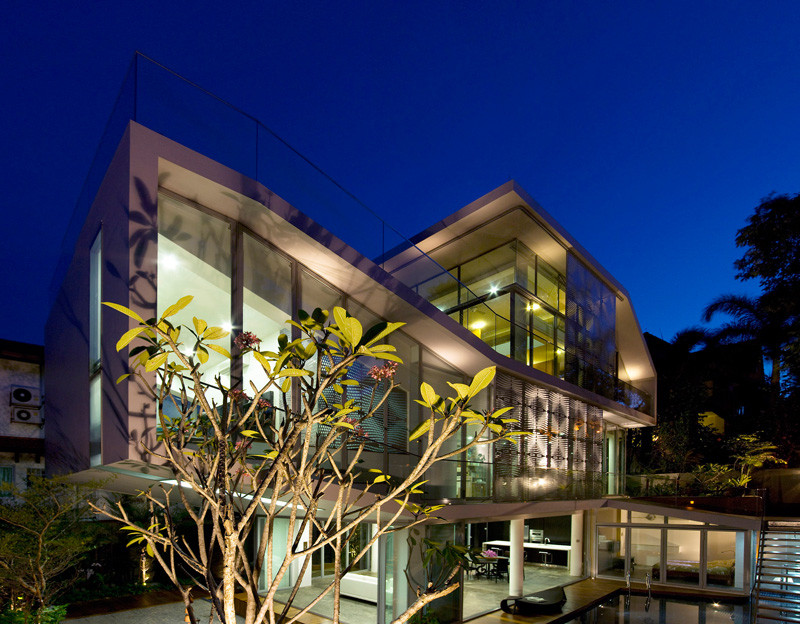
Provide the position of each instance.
(777, 590)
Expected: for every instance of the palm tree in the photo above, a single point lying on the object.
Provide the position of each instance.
(756, 319)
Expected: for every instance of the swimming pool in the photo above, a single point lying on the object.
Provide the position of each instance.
(660, 610)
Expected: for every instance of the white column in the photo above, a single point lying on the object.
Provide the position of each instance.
(576, 545)
(516, 558)
(400, 586)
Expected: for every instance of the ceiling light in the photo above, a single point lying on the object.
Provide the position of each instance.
(169, 261)
(478, 325)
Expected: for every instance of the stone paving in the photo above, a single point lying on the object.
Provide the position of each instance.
(167, 613)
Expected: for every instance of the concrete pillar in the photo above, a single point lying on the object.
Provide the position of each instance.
(576, 543)
(516, 558)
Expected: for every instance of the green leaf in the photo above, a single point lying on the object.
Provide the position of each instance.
(345, 424)
(155, 362)
(294, 372)
(128, 336)
(339, 316)
(215, 333)
(123, 377)
(177, 307)
(352, 330)
(263, 361)
(388, 356)
(461, 389)
(384, 348)
(202, 355)
(481, 380)
(420, 430)
(428, 394)
(124, 310)
(501, 411)
(287, 383)
(221, 350)
(270, 455)
(386, 329)
(150, 550)
(380, 478)
(199, 325)
(250, 433)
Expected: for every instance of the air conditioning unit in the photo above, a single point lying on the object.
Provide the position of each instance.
(22, 395)
(28, 415)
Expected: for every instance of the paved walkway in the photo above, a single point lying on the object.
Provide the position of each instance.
(161, 607)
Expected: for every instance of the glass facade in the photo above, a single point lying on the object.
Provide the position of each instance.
(563, 324)
(200, 252)
(512, 300)
(194, 258)
(267, 304)
(670, 550)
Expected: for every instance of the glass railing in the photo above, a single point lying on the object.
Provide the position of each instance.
(168, 104)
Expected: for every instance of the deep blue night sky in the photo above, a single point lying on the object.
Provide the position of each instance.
(650, 130)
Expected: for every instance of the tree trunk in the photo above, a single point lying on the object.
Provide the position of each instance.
(229, 579)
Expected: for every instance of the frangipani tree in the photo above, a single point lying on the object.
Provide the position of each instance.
(240, 458)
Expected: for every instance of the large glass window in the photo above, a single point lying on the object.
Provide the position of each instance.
(267, 306)
(701, 556)
(95, 352)
(194, 258)
(444, 476)
(95, 296)
(645, 552)
(96, 420)
(683, 557)
(487, 274)
(611, 546)
(725, 559)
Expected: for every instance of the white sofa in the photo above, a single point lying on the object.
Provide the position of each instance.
(362, 586)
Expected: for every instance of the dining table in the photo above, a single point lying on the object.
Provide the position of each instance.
(487, 566)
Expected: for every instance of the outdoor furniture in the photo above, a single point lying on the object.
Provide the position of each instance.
(545, 601)
(500, 568)
(485, 566)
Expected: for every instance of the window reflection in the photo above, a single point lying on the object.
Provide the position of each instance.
(194, 258)
(267, 306)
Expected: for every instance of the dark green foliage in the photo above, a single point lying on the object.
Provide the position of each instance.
(772, 242)
(46, 615)
(44, 533)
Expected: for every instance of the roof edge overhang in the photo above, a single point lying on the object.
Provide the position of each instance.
(209, 183)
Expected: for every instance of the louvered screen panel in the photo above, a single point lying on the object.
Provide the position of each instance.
(509, 392)
(594, 460)
(397, 421)
(559, 431)
(579, 429)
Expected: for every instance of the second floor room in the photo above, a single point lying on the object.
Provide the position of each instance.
(503, 268)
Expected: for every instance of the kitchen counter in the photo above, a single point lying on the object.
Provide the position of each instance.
(558, 554)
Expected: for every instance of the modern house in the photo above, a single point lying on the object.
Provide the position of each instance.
(499, 282)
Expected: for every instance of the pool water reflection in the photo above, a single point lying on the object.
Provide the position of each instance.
(641, 610)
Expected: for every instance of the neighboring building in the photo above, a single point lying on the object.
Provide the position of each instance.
(21, 415)
(499, 282)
